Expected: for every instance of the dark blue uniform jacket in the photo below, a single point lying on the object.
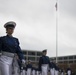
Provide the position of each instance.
(28, 66)
(43, 60)
(11, 44)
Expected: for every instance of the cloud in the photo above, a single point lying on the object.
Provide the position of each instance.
(36, 24)
(68, 6)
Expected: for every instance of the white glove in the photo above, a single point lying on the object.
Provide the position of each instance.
(23, 62)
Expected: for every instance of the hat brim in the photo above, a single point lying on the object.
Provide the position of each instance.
(44, 50)
(10, 24)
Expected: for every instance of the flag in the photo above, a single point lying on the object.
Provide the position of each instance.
(56, 6)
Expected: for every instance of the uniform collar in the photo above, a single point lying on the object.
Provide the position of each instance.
(9, 35)
(43, 55)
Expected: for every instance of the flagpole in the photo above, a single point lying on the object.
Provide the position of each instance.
(56, 31)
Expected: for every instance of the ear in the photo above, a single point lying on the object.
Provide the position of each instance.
(6, 30)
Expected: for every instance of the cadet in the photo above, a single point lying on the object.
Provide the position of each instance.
(23, 69)
(37, 71)
(23, 72)
(33, 71)
(16, 69)
(62, 72)
(56, 69)
(9, 45)
(69, 71)
(52, 67)
(44, 63)
(29, 68)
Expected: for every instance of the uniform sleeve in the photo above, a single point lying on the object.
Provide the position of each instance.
(0, 44)
(40, 63)
(56, 67)
(66, 70)
(51, 65)
(19, 52)
(19, 63)
(26, 67)
(49, 61)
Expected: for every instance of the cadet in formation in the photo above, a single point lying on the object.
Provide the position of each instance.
(44, 63)
(52, 67)
(33, 71)
(37, 71)
(29, 68)
(62, 72)
(23, 72)
(16, 69)
(69, 71)
(56, 70)
(9, 46)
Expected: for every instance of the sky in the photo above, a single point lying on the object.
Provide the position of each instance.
(36, 24)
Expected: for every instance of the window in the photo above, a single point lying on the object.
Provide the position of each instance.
(60, 61)
(70, 61)
(60, 58)
(39, 53)
(75, 61)
(65, 58)
(24, 52)
(71, 57)
(31, 53)
(65, 61)
(74, 57)
(37, 58)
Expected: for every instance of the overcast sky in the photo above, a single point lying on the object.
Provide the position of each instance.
(36, 24)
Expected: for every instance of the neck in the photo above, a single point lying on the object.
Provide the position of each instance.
(44, 55)
(9, 34)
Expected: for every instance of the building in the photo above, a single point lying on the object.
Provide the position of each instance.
(63, 61)
(32, 55)
(66, 61)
